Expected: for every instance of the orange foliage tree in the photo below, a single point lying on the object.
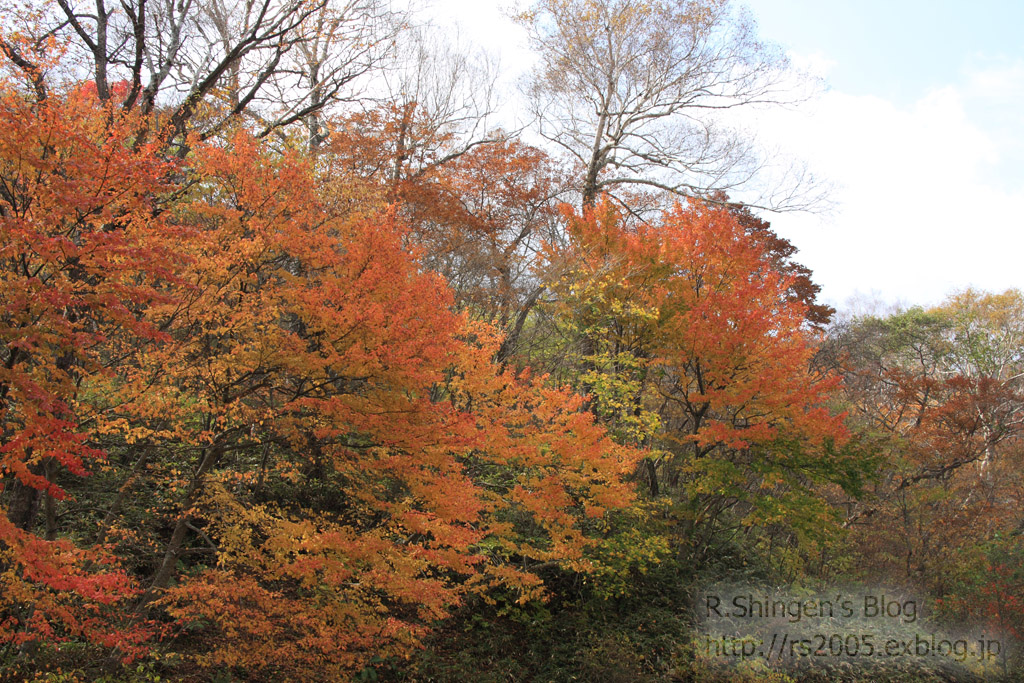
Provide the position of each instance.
(391, 466)
(479, 209)
(83, 253)
(690, 343)
(279, 437)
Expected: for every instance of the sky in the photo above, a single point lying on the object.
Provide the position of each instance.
(919, 128)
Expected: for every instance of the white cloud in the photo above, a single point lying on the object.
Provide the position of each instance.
(815, 64)
(998, 79)
(917, 216)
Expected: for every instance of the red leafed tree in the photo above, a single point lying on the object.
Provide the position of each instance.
(940, 390)
(689, 343)
(779, 252)
(82, 254)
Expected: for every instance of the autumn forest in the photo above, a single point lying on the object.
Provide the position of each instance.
(311, 372)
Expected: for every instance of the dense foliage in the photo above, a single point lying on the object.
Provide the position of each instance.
(291, 390)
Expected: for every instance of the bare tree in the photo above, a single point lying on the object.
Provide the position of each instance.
(277, 62)
(299, 75)
(635, 90)
(443, 95)
(344, 41)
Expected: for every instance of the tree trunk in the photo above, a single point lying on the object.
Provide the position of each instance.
(165, 572)
(24, 506)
